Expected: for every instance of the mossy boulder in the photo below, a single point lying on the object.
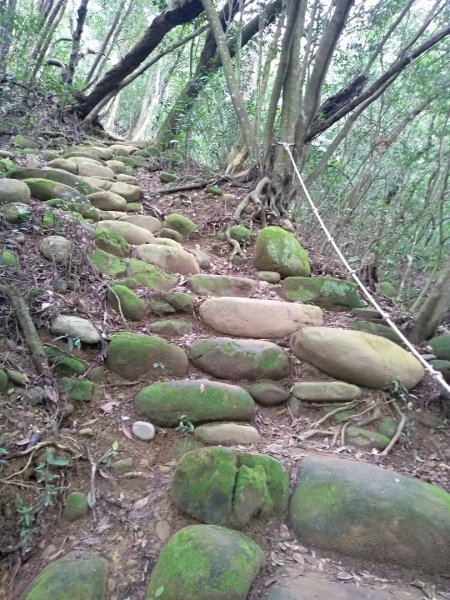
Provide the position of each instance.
(387, 426)
(173, 260)
(80, 575)
(180, 301)
(20, 141)
(106, 263)
(366, 439)
(222, 486)
(175, 159)
(241, 234)
(76, 506)
(45, 189)
(64, 365)
(3, 381)
(375, 329)
(357, 357)
(371, 513)
(161, 308)
(205, 562)
(147, 222)
(278, 250)
(125, 301)
(371, 314)
(180, 223)
(14, 191)
(228, 358)
(167, 177)
(133, 355)
(327, 292)
(107, 200)
(171, 328)
(112, 243)
(214, 190)
(199, 400)
(81, 390)
(150, 276)
(222, 285)
(16, 212)
(441, 346)
(443, 366)
(8, 259)
(57, 176)
(132, 233)
(387, 289)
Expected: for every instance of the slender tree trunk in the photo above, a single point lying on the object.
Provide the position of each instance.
(75, 53)
(233, 86)
(433, 310)
(43, 44)
(7, 17)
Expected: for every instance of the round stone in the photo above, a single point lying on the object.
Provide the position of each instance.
(143, 430)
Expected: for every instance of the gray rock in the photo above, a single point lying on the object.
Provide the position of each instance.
(325, 391)
(268, 393)
(75, 327)
(143, 430)
(227, 433)
(221, 285)
(269, 276)
(12, 190)
(55, 248)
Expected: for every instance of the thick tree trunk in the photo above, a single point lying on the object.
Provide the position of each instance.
(433, 310)
(76, 42)
(166, 21)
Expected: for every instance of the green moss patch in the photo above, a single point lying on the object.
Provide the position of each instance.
(180, 223)
(278, 250)
(327, 292)
(106, 263)
(64, 365)
(111, 242)
(80, 390)
(125, 301)
(150, 276)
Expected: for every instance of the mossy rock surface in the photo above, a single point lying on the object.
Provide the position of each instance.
(150, 276)
(387, 289)
(167, 177)
(133, 355)
(180, 223)
(222, 285)
(375, 329)
(215, 190)
(161, 308)
(365, 438)
(199, 400)
(387, 426)
(57, 176)
(371, 513)
(81, 390)
(325, 391)
(222, 486)
(76, 506)
(441, 346)
(180, 301)
(228, 358)
(125, 301)
(80, 575)
(443, 366)
(112, 243)
(241, 234)
(205, 562)
(171, 328)
(106, 263)
(8, 259)
(278, 250)
(173, 157)
(327, 292)
(45, 189)
(268, 393)
(64, 365)
(3, 381)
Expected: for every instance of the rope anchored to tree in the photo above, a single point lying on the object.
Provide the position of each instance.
(436, 374)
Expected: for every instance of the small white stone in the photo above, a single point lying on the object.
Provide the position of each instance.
(143, 430)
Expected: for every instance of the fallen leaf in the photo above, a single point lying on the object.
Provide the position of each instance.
(108, 407)
(126, 431)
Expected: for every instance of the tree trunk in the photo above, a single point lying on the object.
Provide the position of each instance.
(44, 41)
(433, 310)
(7, 16)
(233, 86)
(187, 11)
(75, 53)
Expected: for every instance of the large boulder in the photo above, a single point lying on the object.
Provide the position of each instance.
(205, 562)
(150, 276)
(126, 302)
(441, 346)
(180, 223)
(132, 233)
(131, 193)
(255, 318)
(134, 355)
(222, 285)
(324, 291)
(106, 200)
(66, 164)
(45, 189)
(200, 401)
(228, 358)
(277, 250)
(152, 224)
(87, 169)
(368, 512)
(94, 151)
(222, 486)
(57, 175)
(173, 260)
(14, 191)
(375, 328)
(357, 357)
(80, 575)
(56, 248)
(325, 391)
(223, 434)
(106, 263)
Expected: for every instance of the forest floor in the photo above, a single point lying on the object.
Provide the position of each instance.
(134, 515)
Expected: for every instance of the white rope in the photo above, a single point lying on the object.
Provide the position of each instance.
(436, 374)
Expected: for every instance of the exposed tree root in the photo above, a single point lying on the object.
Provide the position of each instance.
(185, 187)
(237, 250)
(267, 200)
(30, 334)
(398, 433)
